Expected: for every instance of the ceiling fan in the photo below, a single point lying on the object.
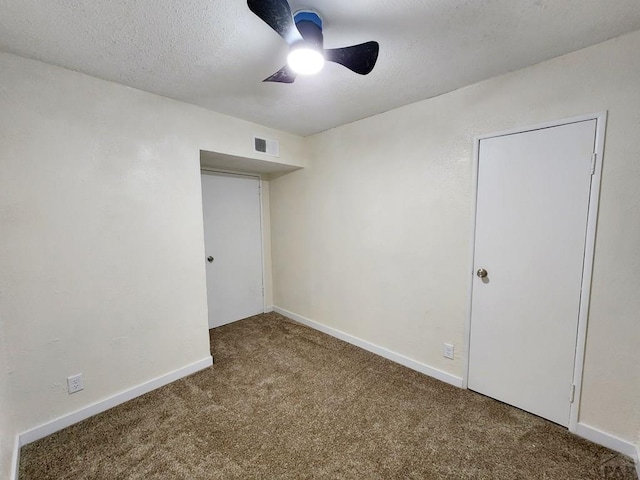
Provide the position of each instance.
(303, 33)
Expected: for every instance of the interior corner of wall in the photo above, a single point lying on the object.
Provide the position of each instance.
(14, 465)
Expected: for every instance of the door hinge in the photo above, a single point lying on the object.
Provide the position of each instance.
(593, 163)
(572, 394)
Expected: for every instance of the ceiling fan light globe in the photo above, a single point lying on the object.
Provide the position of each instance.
(305, 61)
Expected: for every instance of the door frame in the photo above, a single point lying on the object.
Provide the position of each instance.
(590, 238)
(207, 170)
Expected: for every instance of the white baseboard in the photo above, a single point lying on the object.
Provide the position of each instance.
(268, 309)
(378, 350)
(638, 461)
(607, 440)
(98, 407)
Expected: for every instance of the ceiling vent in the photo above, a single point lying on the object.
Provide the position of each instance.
(266, 146)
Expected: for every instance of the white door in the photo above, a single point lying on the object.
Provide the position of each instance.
(531, 220)
(233, 246)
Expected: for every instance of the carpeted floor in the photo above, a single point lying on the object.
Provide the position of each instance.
(285, 401)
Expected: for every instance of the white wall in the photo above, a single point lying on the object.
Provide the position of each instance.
(101, 252)
(373, 237)
(6, 442)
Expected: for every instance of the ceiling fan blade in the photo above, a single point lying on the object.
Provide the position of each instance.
(277, 14)
(357, 58)
(284, 75)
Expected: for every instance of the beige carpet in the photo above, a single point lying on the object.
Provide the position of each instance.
(285, 401)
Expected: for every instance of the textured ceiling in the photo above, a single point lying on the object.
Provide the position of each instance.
(215, 53)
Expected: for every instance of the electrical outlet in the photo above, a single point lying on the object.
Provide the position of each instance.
(448, 351)
(75, 383)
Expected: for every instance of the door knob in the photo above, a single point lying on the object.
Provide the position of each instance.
(210, 259)
(481, 273)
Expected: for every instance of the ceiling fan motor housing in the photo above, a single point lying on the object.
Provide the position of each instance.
(309, 24)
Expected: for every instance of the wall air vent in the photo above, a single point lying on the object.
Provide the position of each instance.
(266, 146)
